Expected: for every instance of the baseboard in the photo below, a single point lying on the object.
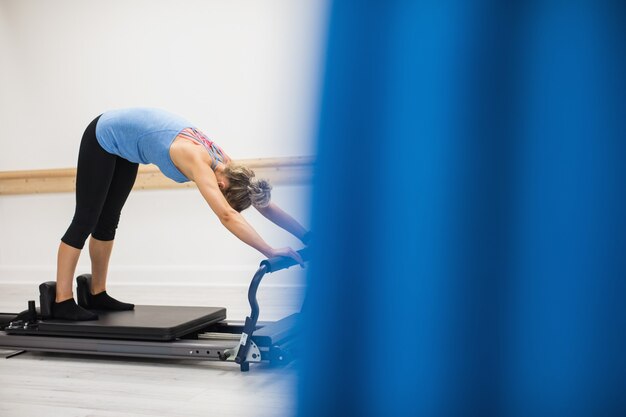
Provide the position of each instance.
(163, 275)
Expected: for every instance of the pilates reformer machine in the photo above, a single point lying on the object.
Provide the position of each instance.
(150, 331)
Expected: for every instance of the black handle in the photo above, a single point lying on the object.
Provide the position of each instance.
(283, 262)
(32, 312)
(267, 266)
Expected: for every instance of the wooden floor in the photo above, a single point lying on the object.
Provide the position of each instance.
(44, 384)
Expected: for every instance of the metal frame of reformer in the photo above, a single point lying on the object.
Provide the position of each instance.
(242, 343)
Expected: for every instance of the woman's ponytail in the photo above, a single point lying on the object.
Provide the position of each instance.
(244, 189)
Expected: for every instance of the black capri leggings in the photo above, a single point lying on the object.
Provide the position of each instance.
(103, 182)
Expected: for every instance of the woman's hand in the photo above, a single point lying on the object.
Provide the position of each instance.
(287, 252)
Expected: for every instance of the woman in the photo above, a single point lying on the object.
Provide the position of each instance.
(111, 149)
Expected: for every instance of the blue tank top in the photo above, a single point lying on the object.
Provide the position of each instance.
(142, 135)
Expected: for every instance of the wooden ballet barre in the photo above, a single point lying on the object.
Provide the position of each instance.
(280, 171)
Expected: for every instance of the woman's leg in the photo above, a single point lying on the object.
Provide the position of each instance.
(67, 258)
(100, 253)
(101, 242)
(93, 177)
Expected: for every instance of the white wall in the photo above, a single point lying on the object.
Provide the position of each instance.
(245, 72)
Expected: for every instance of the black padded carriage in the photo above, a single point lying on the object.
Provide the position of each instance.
(145, 322)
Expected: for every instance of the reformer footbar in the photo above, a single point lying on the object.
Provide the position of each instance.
(199, 333)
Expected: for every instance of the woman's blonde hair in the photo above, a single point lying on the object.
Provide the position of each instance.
(244, 189)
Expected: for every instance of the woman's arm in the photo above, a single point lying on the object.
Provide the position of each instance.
(231, 219)
(200, 172)
(283, 220)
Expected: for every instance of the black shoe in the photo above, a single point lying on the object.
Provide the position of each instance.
(100, 301)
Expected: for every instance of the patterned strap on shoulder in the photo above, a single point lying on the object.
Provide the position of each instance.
(216, 153)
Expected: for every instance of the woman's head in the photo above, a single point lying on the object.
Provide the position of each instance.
(244, 189)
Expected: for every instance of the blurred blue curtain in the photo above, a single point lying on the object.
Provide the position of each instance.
(469, 211)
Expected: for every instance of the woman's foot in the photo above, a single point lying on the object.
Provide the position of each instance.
(100, 301)
(103, 301)
(69, 310)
